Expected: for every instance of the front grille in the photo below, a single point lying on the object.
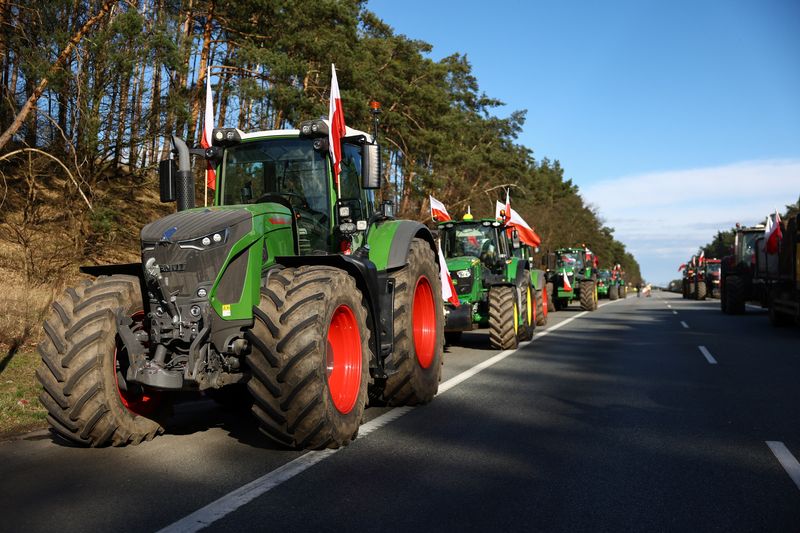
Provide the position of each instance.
(462, 285)
(185, 268)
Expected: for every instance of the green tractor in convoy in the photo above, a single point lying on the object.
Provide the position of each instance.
(494, 282)
(293, 293)
(603, 283)
(617, 288)
(572, 275)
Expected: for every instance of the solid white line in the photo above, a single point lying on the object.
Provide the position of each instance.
(707, 355)
(786, 459)
(684, 324)
(228, 503)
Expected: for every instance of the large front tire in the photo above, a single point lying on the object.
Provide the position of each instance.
(418, 329)
(528, 311)
(84, 366)
(613, 293)
(735, 297)
(542, 305)
(310, 358)
(701, 290)
(503, 316)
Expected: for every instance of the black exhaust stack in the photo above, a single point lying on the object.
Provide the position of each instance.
(185, 177)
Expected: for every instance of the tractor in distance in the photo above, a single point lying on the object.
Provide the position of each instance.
(495, 286)
(738, 285)
(618, 289)
(603, 283)
(687, 281)
(571, 275)
(706, 280)
(294, 291)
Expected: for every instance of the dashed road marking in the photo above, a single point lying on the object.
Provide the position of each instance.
(674, 312)
(707, 355)
(684, 324)
(786, 459)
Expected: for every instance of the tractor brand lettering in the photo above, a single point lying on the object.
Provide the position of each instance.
(180, 267)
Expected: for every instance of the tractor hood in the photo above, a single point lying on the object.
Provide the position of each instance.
(462, 263)
(184, 227)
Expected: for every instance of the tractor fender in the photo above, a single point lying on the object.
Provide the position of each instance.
(538, 279)
(390, 241)
(367, 280)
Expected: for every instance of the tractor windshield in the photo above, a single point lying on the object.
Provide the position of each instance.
(747, 245)
(713, 268)
(571, 260)
(289, 168)
(604, 275)
(472, 240)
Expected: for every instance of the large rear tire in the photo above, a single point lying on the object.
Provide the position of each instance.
(701, 290)
(588, 296)
(528, 311)
(613, 292)
(723, 298)
(418, 329)
(550, 296)
(310, 358)
(84, 366)
(503, 316)
(734, 287)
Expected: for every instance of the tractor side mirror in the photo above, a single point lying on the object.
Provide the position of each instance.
(371, 166)
(167, 174)
(515, 240)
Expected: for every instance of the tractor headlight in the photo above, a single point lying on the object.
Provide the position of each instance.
(463, 273)
(207, 241)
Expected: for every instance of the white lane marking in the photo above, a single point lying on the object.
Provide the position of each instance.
(669, 306)
(684, 324)
(786, 459)
(754, 307)
(674, 312)
(707, 355)
(228, 503)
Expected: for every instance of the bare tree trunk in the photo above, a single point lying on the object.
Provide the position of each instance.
(123, 110)
(202, 72)
(55, 67)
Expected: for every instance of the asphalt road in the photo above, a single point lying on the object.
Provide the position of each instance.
(614, 420)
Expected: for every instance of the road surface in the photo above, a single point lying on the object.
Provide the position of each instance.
(650, 414)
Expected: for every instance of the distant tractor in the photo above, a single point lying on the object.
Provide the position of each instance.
(707, 279)
(572, 275)
(737, 282)
(603, 283)
(617, 288)
(293, 290)
(494, 283)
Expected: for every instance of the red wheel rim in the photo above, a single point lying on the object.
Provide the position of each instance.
(138, 400)
(343, 359)
(424, 322)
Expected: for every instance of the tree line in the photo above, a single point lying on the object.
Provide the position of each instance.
(100, 85)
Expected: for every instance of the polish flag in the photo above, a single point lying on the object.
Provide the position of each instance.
(702, 256)
(773, 234)
(567, 285)
(508, 205)
(448, 289)
(681, 267)
(336, 128)
(514, 220)
(205, 138)
(438, 210)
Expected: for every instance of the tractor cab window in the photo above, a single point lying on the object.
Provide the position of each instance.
(350, 179)
(471, 240)
(572, 260)
(287, 168)
(748, 245)
(713, 268)
(604, 275)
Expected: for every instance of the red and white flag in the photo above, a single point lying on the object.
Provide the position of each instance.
(567, 284)
(448, 289)
(508, 205)
(683, 265)
(336, 128)
(208, 126)
(773, 234)
(702, 256)
(438, 210)
(514, 220)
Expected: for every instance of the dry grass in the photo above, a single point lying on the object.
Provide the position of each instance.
(46, 233)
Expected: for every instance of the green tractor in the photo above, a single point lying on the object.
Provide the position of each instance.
(295, 294)
(572, 275)
(604, 283)
(495, 285)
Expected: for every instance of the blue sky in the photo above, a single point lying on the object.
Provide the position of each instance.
(674, 118)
